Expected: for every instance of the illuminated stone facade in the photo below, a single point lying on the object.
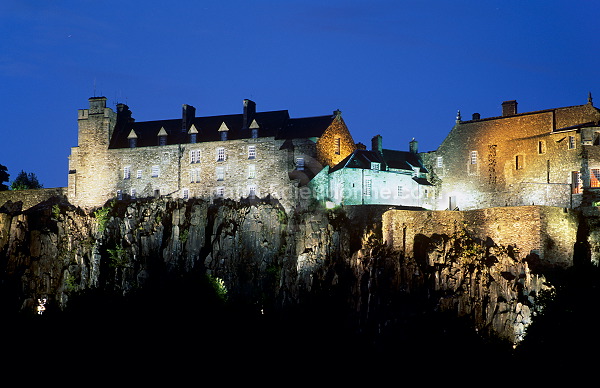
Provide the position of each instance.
(252, 154)
(376, 177)
(548, 157)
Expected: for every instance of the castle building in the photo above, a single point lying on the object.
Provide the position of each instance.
(250, 154)
(378, 176)
(548, 157)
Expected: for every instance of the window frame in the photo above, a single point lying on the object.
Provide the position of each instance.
(221, 157)
(251, 152)
(155, 171)
(473, 157)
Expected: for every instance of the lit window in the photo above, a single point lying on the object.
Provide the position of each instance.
(473, 157)
(576, 183)
(220, 192)
(126, 172)
(251, 171)
(251, 152)
(220, 173)
(139, 174)
(300, 163)
(595, 177)
(252, 191)
(439, 161)
(338, 145)
(155, 171)
(571, 142)
(195, 156)
(519, 162)
(220, 154)
(185, 193)
(368, 187)
(375, 166)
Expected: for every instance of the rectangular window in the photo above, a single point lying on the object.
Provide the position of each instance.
(193, 138)
(223, 135)
(251, 171)
(400, 191)
(195, 175)
(185, 193)
(119, 195)
(576, 183)
(300, 163)
(139, 174)
(126, 172)
(519, 162)
(375, 166)
(541, 147)
(473, 157)
(571, 142)
(155, 171)
(132, 193)
(338, 146)
(220, 154)
(195, 156)
(220, 192)
(439, 161)
(162, 140)
(132, 143)
(595, 177)
(251, 152)
(368, 187)
(220, 173)
(252, 191)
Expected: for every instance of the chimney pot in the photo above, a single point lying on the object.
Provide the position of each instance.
(509, 108)
(187, 116)
(249, 113)
(413, 146)
(376, 144)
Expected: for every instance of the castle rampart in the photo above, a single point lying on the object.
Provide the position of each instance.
(548, 234)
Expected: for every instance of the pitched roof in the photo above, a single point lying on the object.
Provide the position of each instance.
(402, 160)
(276, 124)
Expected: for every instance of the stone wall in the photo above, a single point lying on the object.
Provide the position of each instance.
(547, 235)
(25, 199)
(519, 160)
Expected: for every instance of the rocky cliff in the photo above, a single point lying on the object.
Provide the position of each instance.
(311, 273)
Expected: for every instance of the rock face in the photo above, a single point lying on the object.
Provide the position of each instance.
(269, 261)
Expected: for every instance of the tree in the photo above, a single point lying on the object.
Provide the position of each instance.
(25, 181)
(3, 177)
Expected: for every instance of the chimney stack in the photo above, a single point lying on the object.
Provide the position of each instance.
(188, 115)
(413, 146)
(376, 144)
(509, 108)
(476, 116)
(249, 112)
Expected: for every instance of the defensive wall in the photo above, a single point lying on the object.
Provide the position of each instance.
(30, 198)
(549, 233)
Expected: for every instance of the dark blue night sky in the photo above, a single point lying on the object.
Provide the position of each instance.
(401, 69)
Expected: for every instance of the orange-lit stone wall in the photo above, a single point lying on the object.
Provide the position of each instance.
(548, 232)
(326, 145)
(520, 160)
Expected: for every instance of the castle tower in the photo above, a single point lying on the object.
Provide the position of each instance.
(88, 161)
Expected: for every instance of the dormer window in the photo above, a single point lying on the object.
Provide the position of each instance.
(132, 138)
(193, 132)
(162, 137)
(375, 166)
(223, 129)
(254, 129)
